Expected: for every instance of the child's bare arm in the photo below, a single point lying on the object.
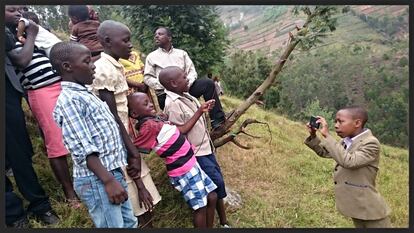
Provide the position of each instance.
(21, 27)
(139, 86)
(23, 57)
(116, 193)
(205, 107)
(109, 98)
(134, 157)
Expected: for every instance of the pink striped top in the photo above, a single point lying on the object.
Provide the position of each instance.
(167, 142)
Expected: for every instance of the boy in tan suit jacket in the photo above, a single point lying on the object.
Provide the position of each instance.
(357, 157)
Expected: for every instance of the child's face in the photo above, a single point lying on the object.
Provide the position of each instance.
(12, 15)
(121, 45)
(345, 124)
(180, 84)
(81, 65)
(141, 106)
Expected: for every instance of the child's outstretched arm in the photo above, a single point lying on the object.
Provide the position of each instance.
(116, 193)
(205, 107)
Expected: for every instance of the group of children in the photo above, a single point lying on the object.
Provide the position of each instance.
(92, 149)
(91, 110)
(87, 143)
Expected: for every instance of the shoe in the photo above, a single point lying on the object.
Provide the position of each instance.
(225, 226)
(21, 223)
(48, 218)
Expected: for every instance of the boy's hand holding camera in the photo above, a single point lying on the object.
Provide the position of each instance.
(313, 125)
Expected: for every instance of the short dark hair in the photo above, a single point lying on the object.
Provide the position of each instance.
(79, 11)
(357, 112)
(167, 74)
(169, 33)
(31, 15)
(105, 28)
(62, 52)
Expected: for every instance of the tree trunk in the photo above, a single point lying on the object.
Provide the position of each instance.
(217, 135)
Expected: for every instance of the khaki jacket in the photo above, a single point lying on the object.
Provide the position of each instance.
(354, 175)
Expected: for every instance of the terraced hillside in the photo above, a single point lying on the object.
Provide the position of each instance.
(254, 28)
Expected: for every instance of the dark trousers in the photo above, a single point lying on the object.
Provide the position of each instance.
(161, 100)
(206, 88)
(19, 153)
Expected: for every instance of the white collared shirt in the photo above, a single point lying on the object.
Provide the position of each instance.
(179, 110)
(348, 141)
(159, 59)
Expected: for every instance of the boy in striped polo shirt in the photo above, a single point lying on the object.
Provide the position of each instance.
(168, 141)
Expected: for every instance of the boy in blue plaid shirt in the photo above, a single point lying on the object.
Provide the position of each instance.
(91, 134)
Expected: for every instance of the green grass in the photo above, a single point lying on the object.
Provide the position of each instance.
(282, 183)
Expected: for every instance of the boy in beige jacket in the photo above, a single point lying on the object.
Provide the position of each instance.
(357, 157)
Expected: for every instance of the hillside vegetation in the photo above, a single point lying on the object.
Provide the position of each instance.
(282, 183)
(364, 62)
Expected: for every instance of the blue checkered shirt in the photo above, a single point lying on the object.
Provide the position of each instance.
(88, 126)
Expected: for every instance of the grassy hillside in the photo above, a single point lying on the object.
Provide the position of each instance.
(282, 183)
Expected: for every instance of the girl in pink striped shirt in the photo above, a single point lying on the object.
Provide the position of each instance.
(169, 142)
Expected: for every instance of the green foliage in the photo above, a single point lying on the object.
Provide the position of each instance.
(273, 12)
(322, 23)
(56, 16)
(403, 62)
(313, 108)
(389, 26)
(386, 92)
(110, 12)
(340, 76)
(353, 69)
(389, 117)
(322, 82)
(243, 72)
(52, 16)
(196, 29)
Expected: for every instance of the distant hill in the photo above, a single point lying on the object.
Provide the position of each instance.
(266, 27)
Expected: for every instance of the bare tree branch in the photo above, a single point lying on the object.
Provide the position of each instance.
(232, 136)
(301, 34)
